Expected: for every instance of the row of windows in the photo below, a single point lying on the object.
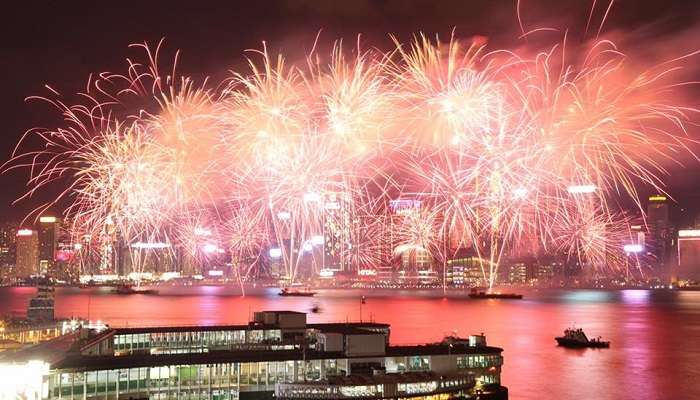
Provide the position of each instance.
(187, 377)
(144, 341)
(479, 361)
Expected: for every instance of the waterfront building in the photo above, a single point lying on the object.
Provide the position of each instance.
(466, 269)
(455, 274)
(687, 269)
(545, 272)
(519, 273)
(278, 355)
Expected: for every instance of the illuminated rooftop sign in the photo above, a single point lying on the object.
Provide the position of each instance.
(633, 248)
(689, 233)
(404, 206)
(580, 189)
(275, 252)
(657, 198)
(146, 245)
(47, 220)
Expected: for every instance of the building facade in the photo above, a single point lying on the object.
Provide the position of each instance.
(276, 356)
(27, 253)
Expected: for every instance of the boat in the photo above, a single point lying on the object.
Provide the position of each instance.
(296, 292)
(576, 338)
(128, 289)
(474, 294)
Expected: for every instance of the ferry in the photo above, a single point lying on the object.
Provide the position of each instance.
(474, 294)
(297, 292)
(128, 289)
(576, 338)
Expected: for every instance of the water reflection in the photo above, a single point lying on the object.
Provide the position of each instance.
(655, 335)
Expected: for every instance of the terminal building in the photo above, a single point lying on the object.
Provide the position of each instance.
(277, 355)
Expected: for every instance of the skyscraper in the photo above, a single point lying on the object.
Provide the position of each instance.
(27, 253)
(336, 237)
(660, 235)
(8, 248)
(47, 235)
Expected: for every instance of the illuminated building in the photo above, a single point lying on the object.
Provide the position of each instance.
(455, 274)
(688, 266)
(415, 262)
(545, 272)
(660, 230)
(519, 273)
(27, 253)
(153, 257)
(8, 249)
(47, 235)
(276, 264)
(336, 234)
(276, 356)
(466, 268)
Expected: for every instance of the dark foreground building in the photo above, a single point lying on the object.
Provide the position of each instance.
(277, 355)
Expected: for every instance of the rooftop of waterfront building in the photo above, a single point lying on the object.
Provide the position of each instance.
(88, 349)
(325, 327)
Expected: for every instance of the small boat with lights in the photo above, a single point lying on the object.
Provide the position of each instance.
(128, 289)
(296, 292)
(577, 339)
(474, 294)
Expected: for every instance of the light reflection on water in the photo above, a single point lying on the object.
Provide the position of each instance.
(655, 335)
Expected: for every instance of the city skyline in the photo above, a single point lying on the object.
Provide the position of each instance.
(505, 152)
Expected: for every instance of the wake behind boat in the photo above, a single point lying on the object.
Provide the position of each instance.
(296, 292)
(576, 338)
(474, 294)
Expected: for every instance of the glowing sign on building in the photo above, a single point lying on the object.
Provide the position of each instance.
(202, 232)
(326, 273)
(312, 197)
(404, 206)
(275, 252)
(150, 246)
(657, 198)
(581, 189)
(367, 272)
(210, 248)
(47, 220)
(633, 248)
(25, 232)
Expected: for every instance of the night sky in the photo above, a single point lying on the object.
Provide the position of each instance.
(61, 42)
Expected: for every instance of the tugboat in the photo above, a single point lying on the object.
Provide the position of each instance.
(474, 294)
(575, 338)
(296, 292)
